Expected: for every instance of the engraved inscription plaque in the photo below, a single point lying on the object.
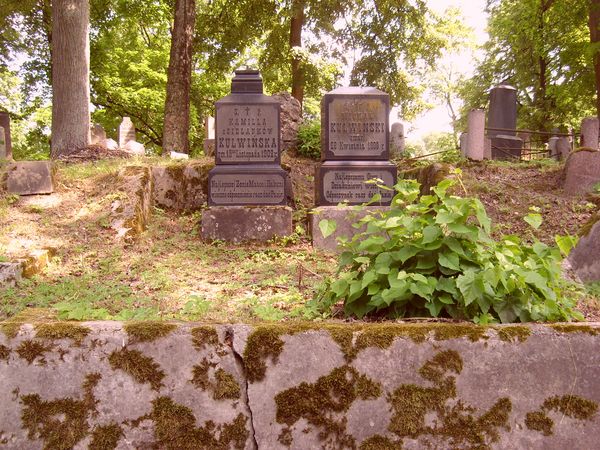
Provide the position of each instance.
(247, 133)
(346, 184)
(247, 189)
(357, 127)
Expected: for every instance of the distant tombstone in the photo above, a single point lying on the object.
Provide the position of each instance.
(553, 147)
(98, 135)
(126, 132)
(2, 144)
(30, 177)
(135, 148)
(589, 132)
(354, 147)
(476, 135)
(5, 123)
(463, 144)
(209, 136)
(502, 123)
(582, 171)
(563, 148)
(248, 190)
(397, 141)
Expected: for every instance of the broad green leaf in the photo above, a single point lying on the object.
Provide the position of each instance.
(431, 233)
(434, 306)
(368, 278)
(533, 219)
(470, 286)
(405, 253)
(565, 243)
(327, 227)
(447, 285)
(449, 260)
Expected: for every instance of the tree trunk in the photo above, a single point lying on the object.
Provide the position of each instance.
(179, 79)
(296, 41)
(594, 23)
(70, 76)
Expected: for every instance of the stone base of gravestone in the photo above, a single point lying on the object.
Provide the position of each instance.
(10, 273)
(585, 257)
(246, 223)
(344, 217)
(506, 147)
(30, 177)
(349, 182)
(582, 171)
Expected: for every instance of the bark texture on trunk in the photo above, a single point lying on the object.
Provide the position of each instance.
(70, 76)
(296, 41)
(594, 23)
(179, 80)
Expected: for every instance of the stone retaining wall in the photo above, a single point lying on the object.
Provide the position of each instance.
(106, 385)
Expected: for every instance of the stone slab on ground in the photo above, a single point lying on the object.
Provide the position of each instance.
(10, 273)
(584, 259)
(582, 171)
(298, 386)
(30, 177)
(246, 223)
(344, 217)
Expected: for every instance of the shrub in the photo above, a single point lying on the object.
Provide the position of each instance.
(309, 139)
(433, 256)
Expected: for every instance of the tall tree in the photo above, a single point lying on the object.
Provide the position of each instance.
(594, 26)
(296, 23)
(70, 76)
(179, 79)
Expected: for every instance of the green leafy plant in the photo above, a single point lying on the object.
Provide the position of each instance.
(432, 255)
(309, 139)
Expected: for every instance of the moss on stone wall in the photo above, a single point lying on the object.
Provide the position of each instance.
(61, 330)
(142, 368)
(573, 328)
(60, 423)
(175, 429)
(568, 405)
(29, 350)
(378, 442)
(4, 352)
(204, 336)
(221, 383)
(11, 326)
(106, 437)
(148, 331)
(318, 403)
(539, 421)
(513, 333)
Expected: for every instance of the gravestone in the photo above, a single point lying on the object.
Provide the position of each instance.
(209, 136)
(585, 257)
(563, 148)
(463, 144)
(5, 123)
(354, 147)
(3, 153)
(354, 151)
(397, 140)
(502, 123)
(126, 132)
(30, 177)
(553, 147)
(589, 132)
(247, 174)
(98, 135)
(582, 171)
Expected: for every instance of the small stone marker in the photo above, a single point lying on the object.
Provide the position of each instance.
(126, 132)
(5, 123)
(502, 123)
(30, 177)
(397, 142)
(463, 143)
(552, 147)
(476, 135)
(247, 184)
(563, 148)
(582, 171)
(98, 135)
(589, 132)
(354, 147)
(3, 152)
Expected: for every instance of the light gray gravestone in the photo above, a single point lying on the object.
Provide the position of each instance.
(126, 132)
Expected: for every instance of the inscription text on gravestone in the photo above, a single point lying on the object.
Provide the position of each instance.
(226, 189)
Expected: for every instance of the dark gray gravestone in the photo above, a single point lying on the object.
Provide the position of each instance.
(502, 114)
(354, 147)
(5, 123)
(247, 147)
(506, 147)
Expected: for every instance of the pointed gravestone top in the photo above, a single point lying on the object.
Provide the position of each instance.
(126, 132)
